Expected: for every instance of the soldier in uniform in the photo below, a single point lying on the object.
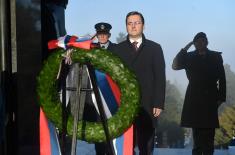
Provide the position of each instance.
(103, 34)
(206, 91)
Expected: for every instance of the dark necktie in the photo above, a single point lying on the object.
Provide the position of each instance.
(103, 46)
(135, 45)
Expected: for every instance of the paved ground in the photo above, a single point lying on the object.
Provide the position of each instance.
(88, 149)
(166, 151)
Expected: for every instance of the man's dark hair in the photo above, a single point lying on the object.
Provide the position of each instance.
(135, 13)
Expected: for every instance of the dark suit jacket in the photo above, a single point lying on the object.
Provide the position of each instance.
(206, 87)
(149, 66)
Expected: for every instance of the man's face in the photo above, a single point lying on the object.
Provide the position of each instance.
(201, 43)
(103, 38)
(134, 26)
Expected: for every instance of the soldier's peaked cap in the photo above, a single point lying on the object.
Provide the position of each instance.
(103, 27)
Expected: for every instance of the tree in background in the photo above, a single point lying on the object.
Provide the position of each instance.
(230, 84)
(169, 132)
(226, 112)
(227, 123)
(121, 37)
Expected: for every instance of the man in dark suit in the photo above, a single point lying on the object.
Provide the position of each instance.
(145, 58)
(205, 92)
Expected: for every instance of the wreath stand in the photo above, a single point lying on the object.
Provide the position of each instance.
(79, 107)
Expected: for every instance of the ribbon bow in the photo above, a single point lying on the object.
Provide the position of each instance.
(71, 41)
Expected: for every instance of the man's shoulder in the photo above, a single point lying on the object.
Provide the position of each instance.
(214, 52)
(122, 44)
(112, 44)
(215, 55)
(152, 43)
(117, 48)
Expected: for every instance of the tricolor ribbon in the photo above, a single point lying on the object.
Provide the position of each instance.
(83, 42)
(49, 144)
(71, 41)
(110, 91)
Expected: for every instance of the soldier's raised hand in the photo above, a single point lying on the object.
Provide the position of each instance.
(188, 46)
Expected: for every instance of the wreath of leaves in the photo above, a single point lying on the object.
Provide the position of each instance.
(103, 61)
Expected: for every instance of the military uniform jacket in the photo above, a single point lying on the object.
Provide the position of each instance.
(111, 46)
(149, 66)
(207, 86)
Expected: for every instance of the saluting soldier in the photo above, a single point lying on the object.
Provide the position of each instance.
(205, 92)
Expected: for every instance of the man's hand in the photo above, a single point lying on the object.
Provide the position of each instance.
(188, 46)
(156, 112)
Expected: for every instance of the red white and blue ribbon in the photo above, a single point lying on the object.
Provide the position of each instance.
(49, 144)
(110, 92)
(71, 41)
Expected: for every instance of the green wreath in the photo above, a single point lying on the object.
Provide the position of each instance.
(103, 61)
